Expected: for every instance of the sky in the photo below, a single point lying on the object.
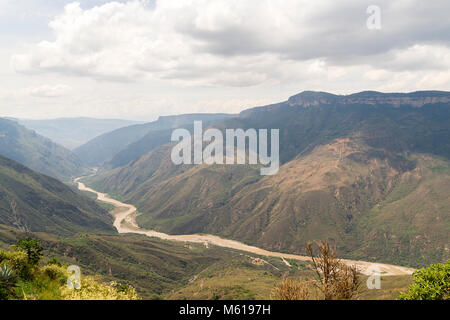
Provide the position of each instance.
(138, 60)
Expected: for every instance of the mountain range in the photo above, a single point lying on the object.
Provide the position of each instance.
(73, 132)
(37, 152)
(368, 171)
(122, 145)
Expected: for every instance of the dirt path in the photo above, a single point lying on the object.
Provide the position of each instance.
(124, 222)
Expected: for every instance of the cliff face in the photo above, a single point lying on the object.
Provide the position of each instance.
(414, 99)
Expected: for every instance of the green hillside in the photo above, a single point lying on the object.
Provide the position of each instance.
(164, 270)
(38, 153)
(366, 171)
(31, 201)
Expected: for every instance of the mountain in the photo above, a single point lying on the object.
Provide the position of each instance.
(73, 132)
(153, 134)
(41, 154)
(31, 201)
(369, 171)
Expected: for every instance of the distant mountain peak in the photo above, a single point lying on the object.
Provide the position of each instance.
(414, 99)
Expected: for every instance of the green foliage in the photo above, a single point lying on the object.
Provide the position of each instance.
(33, 248)
(49, 282)
(92, 289)
(54, 261)
(53, 271)
(7, 281)
(432, 283)
(6, 273)
(18, 261)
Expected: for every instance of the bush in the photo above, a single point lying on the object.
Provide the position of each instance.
(94, 290)
(33, 248)
(334, 279)
(53, 272)
(18, 261)
(15, 259)
(7, 281)
(54, 261)
(290, 289)
(432, 283)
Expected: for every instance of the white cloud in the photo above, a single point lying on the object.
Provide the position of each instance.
(48, 91)
(236, 43)
(138, 60)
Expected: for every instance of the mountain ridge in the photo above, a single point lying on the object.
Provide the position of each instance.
(31, 201)
(37, 152)
(386, 168)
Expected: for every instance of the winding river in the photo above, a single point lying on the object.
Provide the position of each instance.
(124, 222)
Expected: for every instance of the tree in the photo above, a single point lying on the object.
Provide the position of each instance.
(334, 279)
(33, 248)
(432, 283)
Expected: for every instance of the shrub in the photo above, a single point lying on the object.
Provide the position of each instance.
(432, 283)
(94, 290)
(7, 281)
(290, 289)
(54, 261)
(15, 259)
(53, 271)
(33, 248)
(18, 261)
(334, 279)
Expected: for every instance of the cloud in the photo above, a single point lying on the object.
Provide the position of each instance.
(240, 43)
(48, 91)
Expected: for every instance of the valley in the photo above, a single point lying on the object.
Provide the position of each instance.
(364, 172)
(224, 150)
(124, 222)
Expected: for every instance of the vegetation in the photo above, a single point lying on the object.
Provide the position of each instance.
(38, 153)
(334, 280)
(23, 278)
(374, 204)
(432, 283)
(31, 201)
(370, 178)
(290, 289)
(169, 270)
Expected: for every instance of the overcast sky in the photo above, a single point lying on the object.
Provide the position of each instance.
(141, 59)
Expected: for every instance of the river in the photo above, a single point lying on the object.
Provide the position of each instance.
(124, 222)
